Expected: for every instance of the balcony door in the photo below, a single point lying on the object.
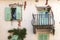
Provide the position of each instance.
(43, 18)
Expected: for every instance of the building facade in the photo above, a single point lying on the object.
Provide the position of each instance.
(42, 29)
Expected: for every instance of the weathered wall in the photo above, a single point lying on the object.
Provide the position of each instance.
(27, 17)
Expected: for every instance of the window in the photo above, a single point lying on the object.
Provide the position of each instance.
(43, 37)
(13, 13)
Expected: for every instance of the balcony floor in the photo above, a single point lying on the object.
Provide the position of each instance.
(48, 28)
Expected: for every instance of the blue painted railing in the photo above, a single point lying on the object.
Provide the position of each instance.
(43, 19)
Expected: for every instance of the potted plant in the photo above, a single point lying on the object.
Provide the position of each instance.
(17, 34)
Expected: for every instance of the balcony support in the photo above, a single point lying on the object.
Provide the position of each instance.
(46, 28)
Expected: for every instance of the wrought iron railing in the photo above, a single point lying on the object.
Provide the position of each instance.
(43, 19)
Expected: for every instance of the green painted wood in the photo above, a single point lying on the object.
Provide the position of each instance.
(7, 14)
(40, 37)
(18, 13)
(14, 37)
(43, 37)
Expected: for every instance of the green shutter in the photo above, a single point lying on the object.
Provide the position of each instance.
(18, 13)
(40, 37)
(43, 37)
(14, 37)
(7, 14)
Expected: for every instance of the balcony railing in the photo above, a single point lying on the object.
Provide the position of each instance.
(43, 19)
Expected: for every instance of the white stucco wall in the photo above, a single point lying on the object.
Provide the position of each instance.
(27, 17)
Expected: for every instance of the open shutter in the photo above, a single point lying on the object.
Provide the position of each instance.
(18, 13)
(7, 14)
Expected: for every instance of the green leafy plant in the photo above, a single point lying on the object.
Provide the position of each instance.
(21, 33)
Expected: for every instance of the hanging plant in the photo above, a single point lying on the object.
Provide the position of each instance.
(17, 34)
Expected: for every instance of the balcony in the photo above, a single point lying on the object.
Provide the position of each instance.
(44, 20)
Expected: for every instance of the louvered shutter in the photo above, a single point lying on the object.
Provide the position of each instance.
(18, 13)
(43, 37)
(40, 37)
(7, 14)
